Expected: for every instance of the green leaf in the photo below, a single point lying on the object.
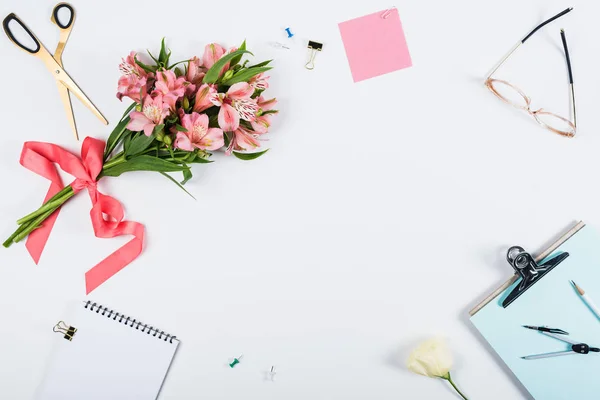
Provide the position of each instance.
(163, 57)
(187, 175)
(245, 74)
(178, 184)
(249, 156)
(144, 163)
(262, 64)
(200, 160)
(237, 59)
(213, 121)
(212, 75)
(152, 57)
(117, 134)
(127, 140)
(177, 63)
(145, 67)
(141, 142)
(126, 113)
(168, 57)
(269, 112)
(180, 128)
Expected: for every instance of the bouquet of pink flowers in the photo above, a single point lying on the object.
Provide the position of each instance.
(215, 102)
(181, 113)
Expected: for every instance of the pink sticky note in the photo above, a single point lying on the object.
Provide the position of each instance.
(375, 45)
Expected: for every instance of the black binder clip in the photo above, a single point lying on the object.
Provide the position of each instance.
(64, 329)
(314, 47)
(529, 271)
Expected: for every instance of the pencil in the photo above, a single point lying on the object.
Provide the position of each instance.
(590, 303)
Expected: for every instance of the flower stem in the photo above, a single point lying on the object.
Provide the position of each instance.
(55, 200)
(116, 160)
(10, 240)
(32, 221)
(34, 225)
(449, 379)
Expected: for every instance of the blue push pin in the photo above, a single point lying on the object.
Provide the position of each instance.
(290, 34)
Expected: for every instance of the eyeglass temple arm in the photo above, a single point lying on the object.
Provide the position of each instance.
(570, 71)
(537, 28)
(546, 22)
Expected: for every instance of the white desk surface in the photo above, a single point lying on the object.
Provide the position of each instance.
(380, 216)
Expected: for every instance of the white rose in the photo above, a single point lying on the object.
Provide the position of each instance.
(432, 358)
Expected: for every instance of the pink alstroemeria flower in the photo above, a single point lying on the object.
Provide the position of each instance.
(203, 94)
(212, 53)
(235, 104)
(131, 86)
(259, 82)
(195, 71)
(128, 66)
(198, 134)
(153, 113)
(243, 140)
(170, 86)
(266, 105)
(134, 79)
(262, 123)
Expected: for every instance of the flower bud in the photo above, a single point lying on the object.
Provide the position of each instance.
(160, 135)
(186, 104)
(228, 75)
(167, 140)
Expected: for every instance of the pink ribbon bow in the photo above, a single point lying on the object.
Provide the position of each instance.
(40, 158)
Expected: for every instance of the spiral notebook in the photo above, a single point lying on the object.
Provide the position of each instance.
(107, 356)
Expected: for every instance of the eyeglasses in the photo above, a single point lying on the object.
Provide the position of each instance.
(514, 96)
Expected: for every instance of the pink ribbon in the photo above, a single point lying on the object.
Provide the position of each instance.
(40, 158)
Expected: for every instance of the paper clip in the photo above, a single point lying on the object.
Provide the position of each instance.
(289, 33)
(314, 47)
(64, 329)
(387, 13)
(236, 361)
(279, 45)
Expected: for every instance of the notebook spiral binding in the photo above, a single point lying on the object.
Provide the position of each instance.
(124, 319)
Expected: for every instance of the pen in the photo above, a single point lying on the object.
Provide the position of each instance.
(546, 329)
(587, 300)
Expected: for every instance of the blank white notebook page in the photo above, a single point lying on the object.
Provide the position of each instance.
(107, 359)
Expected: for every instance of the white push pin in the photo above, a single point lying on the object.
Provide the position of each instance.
(272, 373)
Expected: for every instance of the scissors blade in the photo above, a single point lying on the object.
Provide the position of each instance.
(61, 76)
(548, 355)
(66, 100)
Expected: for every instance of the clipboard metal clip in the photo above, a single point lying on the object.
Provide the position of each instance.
(528, 270)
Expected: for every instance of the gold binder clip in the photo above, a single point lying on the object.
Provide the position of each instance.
(65, 329)
(313, 47)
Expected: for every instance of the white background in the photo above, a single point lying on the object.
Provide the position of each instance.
(380, 216)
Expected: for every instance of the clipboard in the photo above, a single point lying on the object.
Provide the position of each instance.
(548, 300)
(566, 236)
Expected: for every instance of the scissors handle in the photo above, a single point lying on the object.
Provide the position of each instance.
(55, 18)
(5, 24)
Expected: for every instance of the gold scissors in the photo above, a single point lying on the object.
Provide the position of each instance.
(54, 62)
